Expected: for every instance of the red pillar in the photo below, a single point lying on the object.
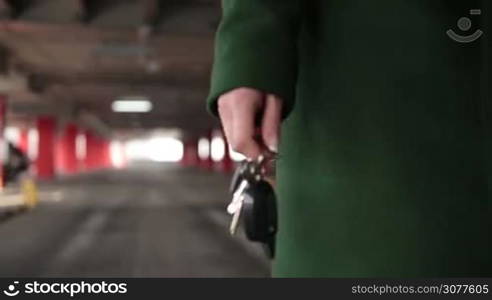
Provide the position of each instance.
(23, 143)
(3, 109)
(90, 145)
(59, 153)
(209, 163)
(226, 164)
(97, 152)
(67, 158)
(106, 154)
(190, 155)
(45, 163)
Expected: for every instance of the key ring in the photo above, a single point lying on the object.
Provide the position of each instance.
(254, 197)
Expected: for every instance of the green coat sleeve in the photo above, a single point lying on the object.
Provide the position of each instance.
(256, 47)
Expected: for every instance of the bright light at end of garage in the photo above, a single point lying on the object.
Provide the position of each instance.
(217, 148)
(80, 146)
(165, 149)
(203, 148)
(158, 149)
(132, 106)
(12, 135)
(117, 156)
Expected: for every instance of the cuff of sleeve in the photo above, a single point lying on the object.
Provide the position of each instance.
(269, 74)
(286, 96)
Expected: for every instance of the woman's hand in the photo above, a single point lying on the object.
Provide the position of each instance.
(251, 121)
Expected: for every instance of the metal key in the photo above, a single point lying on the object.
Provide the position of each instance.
(248, 172)
(235, 207)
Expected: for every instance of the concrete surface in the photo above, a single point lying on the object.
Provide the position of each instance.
(147, 221)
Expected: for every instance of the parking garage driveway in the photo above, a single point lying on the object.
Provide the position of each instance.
(146, 221)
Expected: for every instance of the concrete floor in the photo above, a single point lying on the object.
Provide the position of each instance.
(146, 221)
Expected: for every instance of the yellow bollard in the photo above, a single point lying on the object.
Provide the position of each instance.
(30, 192)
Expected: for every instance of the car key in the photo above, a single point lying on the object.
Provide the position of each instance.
(236, 205)
(248, 172)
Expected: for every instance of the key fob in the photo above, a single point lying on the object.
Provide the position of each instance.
(260, 215)
(247, 170)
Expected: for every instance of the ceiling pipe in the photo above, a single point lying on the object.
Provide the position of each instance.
(93, 122)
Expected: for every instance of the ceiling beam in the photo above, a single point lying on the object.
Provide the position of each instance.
(12, 83)
(73, 32)
(161, 80)
(198, 125)
(92, 121)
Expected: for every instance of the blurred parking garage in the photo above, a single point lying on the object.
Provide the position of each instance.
(128, 172)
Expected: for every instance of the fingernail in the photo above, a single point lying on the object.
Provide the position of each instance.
(273, 147)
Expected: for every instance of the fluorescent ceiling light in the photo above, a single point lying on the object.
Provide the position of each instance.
(132, 106)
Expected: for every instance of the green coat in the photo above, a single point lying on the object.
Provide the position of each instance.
(384, 169)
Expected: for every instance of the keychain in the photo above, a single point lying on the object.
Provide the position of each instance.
(254, 202)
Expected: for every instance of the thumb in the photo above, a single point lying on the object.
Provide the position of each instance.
(270, 127)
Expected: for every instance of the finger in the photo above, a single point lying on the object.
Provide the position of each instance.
(243, 131)
(225, 115)
(270, 127)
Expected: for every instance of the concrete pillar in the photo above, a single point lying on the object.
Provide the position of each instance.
(67, 156)
(45, 162)
(3, 109)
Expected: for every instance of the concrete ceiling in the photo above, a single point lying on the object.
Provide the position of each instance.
(68, 56)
